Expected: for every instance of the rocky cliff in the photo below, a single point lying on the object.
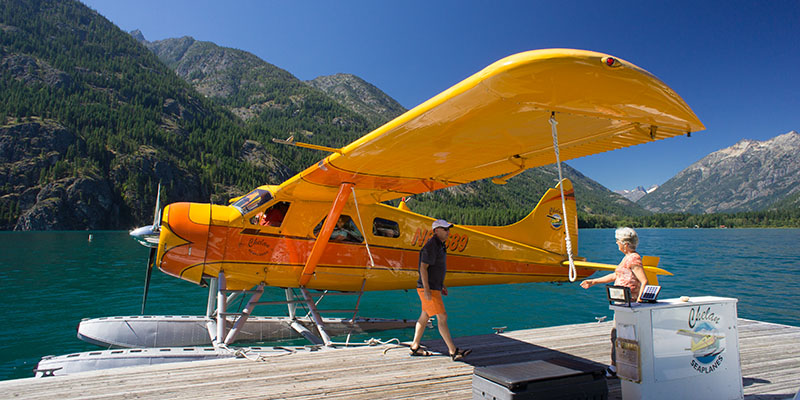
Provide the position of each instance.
(91, 121)
(30, 151)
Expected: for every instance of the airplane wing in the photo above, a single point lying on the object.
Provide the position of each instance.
(686, 332)
(496, 122)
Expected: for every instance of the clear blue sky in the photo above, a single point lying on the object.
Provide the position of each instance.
(734, 62)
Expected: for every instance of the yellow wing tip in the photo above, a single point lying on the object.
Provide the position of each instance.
(657, 271)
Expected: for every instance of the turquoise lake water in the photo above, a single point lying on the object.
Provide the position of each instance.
(53, 279)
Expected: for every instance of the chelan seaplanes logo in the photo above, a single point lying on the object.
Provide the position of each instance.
(706, 343)
(555, 218)
(257, 246)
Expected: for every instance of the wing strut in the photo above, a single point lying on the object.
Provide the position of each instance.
(360, 222)
(325, 233)
(572, 273)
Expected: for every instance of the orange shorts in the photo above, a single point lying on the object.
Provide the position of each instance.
(433, 306)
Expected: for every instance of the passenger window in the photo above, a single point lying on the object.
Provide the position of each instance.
(385, 227)
(344, 231)
(252, 200)
(272, 216)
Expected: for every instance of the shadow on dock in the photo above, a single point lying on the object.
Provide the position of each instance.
(494, 349)
(747, 381)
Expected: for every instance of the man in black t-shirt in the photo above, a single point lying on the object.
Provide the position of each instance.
(431, 287)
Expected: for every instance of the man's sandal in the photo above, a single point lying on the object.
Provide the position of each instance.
(460, 354)
(420, 352)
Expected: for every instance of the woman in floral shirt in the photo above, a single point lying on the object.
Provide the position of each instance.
(629, 273)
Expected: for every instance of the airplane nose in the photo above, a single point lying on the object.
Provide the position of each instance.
(183, 240)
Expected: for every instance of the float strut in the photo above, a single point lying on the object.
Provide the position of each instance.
(291, 304)
(221, 307)
(326, 339)
(211, 323)
(212, 293)
(245, 314)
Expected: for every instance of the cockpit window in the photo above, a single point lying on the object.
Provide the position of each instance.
(344, 231)
(252, 200)
(385, 227)
(272, 216)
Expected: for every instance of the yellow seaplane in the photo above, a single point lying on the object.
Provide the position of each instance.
(701, 342)
(329, 228)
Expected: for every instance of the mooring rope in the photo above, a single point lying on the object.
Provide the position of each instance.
(553, 123)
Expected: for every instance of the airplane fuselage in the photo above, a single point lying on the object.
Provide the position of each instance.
(199, 240)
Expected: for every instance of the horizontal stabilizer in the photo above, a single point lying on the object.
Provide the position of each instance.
(649, 263)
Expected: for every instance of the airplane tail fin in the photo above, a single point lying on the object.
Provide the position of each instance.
(651, 270)
(544, 226)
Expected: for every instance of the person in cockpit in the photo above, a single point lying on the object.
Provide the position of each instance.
(344, 232)
(274, 216)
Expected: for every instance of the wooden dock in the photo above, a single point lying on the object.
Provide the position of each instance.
(770, 355)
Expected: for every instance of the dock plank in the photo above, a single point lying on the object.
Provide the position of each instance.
(770, 355)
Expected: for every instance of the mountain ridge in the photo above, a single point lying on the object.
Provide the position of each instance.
(270, 101)
(360, 96)
(750, 175)
(91, 120)
(635, 194)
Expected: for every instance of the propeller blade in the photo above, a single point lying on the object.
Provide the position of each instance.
(157, 213)
(150, 262)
